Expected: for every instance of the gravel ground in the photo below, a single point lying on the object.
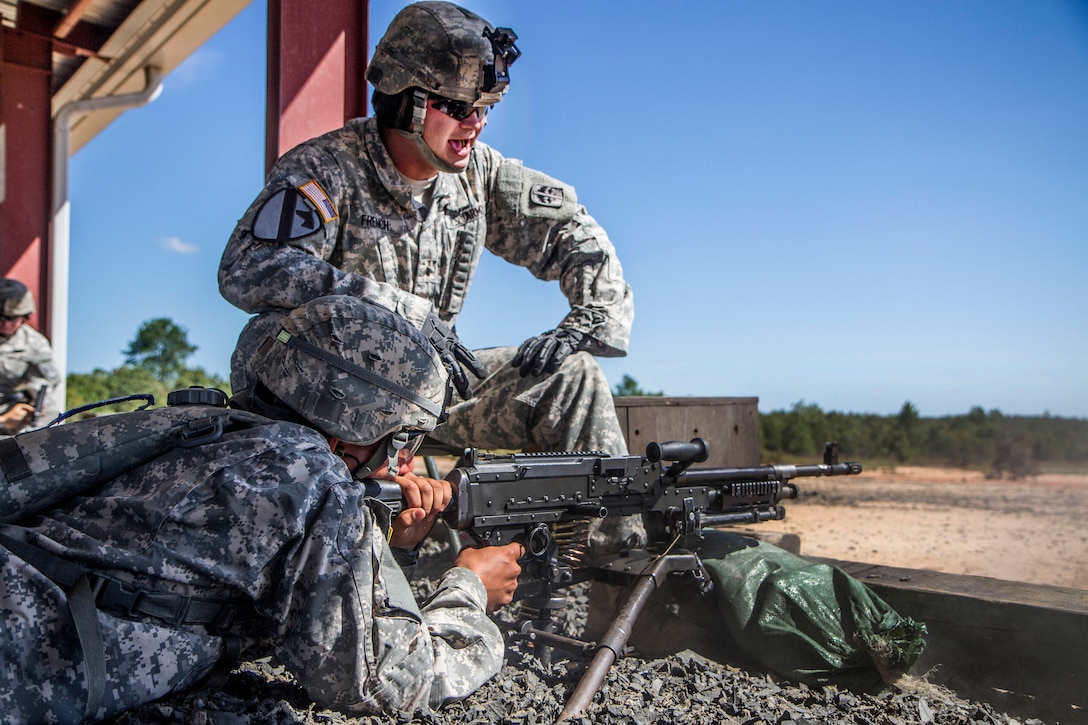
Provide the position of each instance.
(681, 688)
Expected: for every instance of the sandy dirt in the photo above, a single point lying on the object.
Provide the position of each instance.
(947, 520)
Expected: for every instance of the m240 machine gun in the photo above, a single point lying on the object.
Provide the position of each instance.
(547, 501)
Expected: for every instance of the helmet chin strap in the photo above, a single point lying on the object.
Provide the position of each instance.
(387, 452)
(415, 133)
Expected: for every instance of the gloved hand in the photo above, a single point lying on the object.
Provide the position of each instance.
(454, 354)
(544, 353)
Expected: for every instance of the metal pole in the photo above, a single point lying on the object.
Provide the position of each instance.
(613, 642)
(58, 285)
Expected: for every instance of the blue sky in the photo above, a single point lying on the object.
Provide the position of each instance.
(846, 203)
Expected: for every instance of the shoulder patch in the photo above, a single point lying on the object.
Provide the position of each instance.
(320, 199)
(285, 215)
(543, 195)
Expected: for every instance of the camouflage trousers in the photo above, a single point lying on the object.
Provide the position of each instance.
(570, 410)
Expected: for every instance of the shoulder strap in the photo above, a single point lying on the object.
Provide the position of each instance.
(77, 588)
(85, 615)
(12, 461)
(88, 592)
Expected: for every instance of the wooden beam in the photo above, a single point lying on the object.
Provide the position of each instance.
(316, 67)
(71, 18)
(81, 39)
(27, 152)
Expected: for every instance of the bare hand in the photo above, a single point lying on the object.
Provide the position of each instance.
(498, 569)
(17, 416)
(425, 500)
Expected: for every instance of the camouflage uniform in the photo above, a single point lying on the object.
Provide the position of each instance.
(268, 519)
(26, 363)
(357, 231)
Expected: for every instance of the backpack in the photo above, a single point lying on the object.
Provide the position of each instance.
(42, 468)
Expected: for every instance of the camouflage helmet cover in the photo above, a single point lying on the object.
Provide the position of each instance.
(354, 370)
(16, 298)
(444, 49)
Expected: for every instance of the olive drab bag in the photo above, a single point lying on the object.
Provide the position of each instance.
(42, 468)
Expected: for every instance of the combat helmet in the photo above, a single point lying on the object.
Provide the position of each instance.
(353, 370)
(442, 49)
(16, 298)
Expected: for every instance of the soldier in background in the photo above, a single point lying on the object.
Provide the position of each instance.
(398, 209)
(26, 363)
(263, 537)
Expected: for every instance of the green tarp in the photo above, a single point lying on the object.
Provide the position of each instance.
(807, 621)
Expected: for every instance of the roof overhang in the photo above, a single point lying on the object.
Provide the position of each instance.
(101, 47)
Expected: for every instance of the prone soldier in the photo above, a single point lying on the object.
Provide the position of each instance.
(261, 536)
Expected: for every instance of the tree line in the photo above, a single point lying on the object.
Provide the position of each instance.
(1003, 445)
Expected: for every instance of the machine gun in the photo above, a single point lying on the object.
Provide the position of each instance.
(548, 500)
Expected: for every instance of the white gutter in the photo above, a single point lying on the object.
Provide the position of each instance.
(58, 256)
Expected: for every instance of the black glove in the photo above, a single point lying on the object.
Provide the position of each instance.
(544, 353)
(454, 355)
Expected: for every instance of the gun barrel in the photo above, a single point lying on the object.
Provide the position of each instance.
(775, 472)
(753, 516)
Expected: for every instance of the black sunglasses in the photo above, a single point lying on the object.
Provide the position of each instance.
(458, 110)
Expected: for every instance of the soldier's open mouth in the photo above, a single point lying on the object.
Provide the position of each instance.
(459, 144)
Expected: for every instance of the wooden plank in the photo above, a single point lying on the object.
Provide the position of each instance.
(1074, 601)
(730, 425)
